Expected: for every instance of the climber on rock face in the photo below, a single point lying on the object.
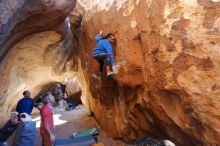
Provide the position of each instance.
(103, 53)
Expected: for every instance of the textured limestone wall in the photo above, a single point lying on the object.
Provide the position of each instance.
(168, 83)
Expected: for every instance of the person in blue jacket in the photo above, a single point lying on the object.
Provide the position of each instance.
(103, 52)
(26, 104)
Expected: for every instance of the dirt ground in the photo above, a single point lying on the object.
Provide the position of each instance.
(67, 122)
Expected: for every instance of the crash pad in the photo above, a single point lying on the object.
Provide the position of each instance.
(76, 141)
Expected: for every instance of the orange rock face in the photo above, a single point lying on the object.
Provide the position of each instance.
(168, 80)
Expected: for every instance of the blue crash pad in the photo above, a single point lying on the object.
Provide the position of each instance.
(76, 141)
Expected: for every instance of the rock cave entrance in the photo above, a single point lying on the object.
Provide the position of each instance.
(37, 63)
(67, 94)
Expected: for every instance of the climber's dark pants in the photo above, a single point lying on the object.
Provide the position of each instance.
(103, 60)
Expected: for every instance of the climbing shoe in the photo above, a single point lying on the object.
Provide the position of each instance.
(109, 74)
(115, 69)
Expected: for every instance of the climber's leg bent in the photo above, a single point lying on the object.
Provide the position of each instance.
(101, 58)
(108, 66)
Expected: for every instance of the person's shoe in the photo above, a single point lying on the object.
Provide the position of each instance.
(96, 77)
(115, 69)
(109, 74)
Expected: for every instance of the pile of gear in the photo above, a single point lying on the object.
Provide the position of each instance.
(62, 102)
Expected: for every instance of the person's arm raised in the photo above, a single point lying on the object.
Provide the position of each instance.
(99, 36)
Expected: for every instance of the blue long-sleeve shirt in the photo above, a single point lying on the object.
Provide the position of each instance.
(25, 105)
(98, 37)
(104, 46)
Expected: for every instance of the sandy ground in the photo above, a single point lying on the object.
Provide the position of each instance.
(67, 122)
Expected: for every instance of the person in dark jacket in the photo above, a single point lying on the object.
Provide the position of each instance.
(103, 52)
(26, 104)
(25, 130)
(8, 129)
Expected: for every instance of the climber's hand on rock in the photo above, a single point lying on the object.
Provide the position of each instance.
(100, 32)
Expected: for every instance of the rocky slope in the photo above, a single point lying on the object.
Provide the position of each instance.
(168, 82)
